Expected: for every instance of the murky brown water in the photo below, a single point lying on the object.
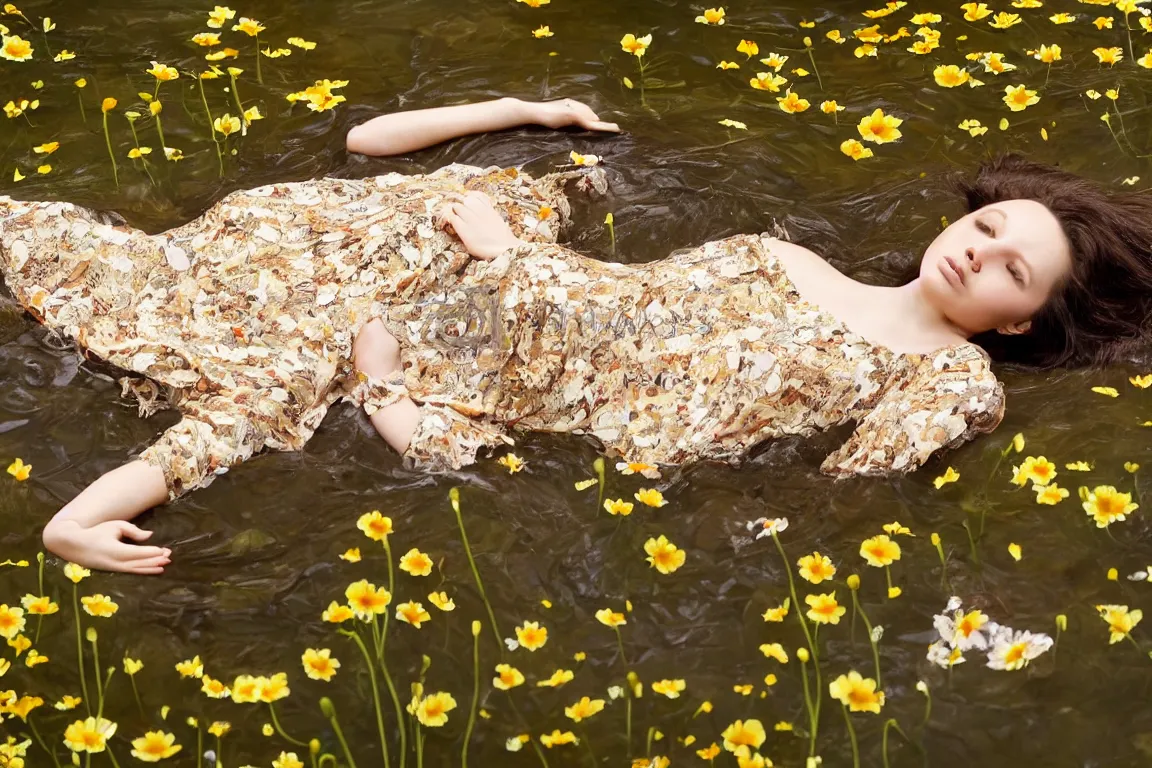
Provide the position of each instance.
(255, 555)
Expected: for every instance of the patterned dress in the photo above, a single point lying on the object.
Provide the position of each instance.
(244, 320)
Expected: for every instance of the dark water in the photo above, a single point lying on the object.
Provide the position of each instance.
(255, 556)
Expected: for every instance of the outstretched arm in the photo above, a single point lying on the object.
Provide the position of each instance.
(400, 132)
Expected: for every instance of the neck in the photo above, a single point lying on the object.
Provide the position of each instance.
(909, 304)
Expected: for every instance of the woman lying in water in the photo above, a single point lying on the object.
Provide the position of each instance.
(441, 304)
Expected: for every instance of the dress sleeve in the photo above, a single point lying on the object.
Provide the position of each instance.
(949, 398)
(213, 436)
(444, 438)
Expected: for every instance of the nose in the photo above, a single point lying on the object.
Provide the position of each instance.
(973, 261)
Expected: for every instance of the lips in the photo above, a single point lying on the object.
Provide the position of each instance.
(954, 269)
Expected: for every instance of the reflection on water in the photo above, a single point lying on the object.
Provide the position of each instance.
(256, 556)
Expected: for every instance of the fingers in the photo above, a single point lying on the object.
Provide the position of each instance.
(132, 531)
(600, 125)
(132, 553)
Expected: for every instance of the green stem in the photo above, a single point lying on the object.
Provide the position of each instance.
(236, 96)
(111, 154)
(628, 715)
(340, 737)
(475, 697)
(211, 128)
(419, 746)
(80, 649)
(812, 58)
(136, 694)
(40, 740)
(199, 746)
(144, 162)
(400, 722)
(868, 627)
(160, 132)
(279, 730)
(454, 496)
(852, 736)
(259, 74)
(927, 706)
(375, 690)
(814, 709)
(808, 705)
(620, 645)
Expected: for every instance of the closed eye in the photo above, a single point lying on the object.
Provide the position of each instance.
(985, 228)
(1017, 275)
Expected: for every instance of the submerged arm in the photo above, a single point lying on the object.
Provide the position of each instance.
(400, 132)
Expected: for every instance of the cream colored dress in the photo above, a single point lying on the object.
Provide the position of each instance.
(244, 320)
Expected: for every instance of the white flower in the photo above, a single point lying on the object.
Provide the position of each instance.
(1013, 650)
(615, 692)
(768, 526)
(512, 643)
(922, 687)
(965, 630)
(1139, 575)
(877, 633)
(514, 744)
(940, 654)
(953, 604)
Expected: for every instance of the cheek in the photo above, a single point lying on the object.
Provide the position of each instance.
(998, 302)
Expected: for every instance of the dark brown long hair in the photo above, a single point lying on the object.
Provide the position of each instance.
(1100, 313)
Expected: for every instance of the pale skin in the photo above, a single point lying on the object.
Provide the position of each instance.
(992, 269)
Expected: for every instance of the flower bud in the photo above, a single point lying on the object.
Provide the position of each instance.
(935, 537)
(1062, 623)
(108, 105)
(802, 654)
(327, 707)
(314, 747)
(853, 582)
(90, 634)
(807, 42)
(475, 629)
(454, 497)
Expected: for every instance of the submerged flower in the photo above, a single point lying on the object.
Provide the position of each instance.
(412, 613)
(11, 621)
(507, 677)
(618, 507)
(15, 48)
(432, 711)
(556, 738)
(366, 599)
(319, 664)
(89, 735)
(663, 555)
(823, 609)
(99, 606)
(1013, 650)
(879, 128)
(1049, 494)
(375, 525)
(18, 469)
(744, 733)
(670, 688)
(650, 497)
(512, 462)
(416, 563)
(1035, 469)
(531, 635)
(815, 568)
(1120, 620)
(558, 678)
(880, 551)
(856, 692)
(855, 150)
(154, 746)
(610, 618)
(584, 709)
(1106, 505)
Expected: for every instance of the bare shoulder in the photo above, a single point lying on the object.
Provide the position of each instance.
(807, 270)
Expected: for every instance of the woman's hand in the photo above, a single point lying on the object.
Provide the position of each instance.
(479, 226)
(101, 546)
(557, 114)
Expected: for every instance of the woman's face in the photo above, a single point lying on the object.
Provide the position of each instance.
(997, 266)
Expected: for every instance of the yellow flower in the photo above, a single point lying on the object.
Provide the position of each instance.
(635, 45)
(416, 563)
(880, 551)
(1120, 620)
(1015, 551)
(1004, 20)
(248, 26)
(15, 48)
(816, 567)
(766, 81)
(778, 614)
(650, 497)
(1047, 53)
(540, 32)
(137, 153)
(301, 43)
(251, 115)
(441, 601)
(219, 15)
(559, 677)
(748, 48)
(1109, 56)
(1106, 391)
(1017, 97)
(610, 618)
(20, 643)
(432, 711)
(663, 555)
(219, 729)
(774, 651)
(412, 613)
(226, 124)
(513, 462)
(1145, 60)
(89, 735)
(99, 606)
(64, 55)
(39, 606)
(276, 53)
(319, 664)
(336, 613)
(366, 599)
(270, 689)
(132, 666)
(1106, 505)
(869, 34)
(534, 3)
(830, 107)
(743, 733)
(19, 470)
(823, 609)
(857, 693)
(712, 16)
(557, 739)
(897, 529)
(507, 677)
(618, 507)
(791, 103)
(214, 689)
(855, 150)
(191, 668)
(670, 688)
(879, 128)
(1078, 466)
(994, 63)
(950, 75)
(584, 709)
(727, 65)
(1143, 382)
(76, 573)
(207, 39)
(47, 149)
(531, 635)
(11, 621)
(67, 703)
(287, 760)
(774, 60)
(1037, 469)
(222, 54)
(835, 36)
(1049, 494)
(351, 555)
(155, 746)
(975, 11)
(162, 72)
(375, 525)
